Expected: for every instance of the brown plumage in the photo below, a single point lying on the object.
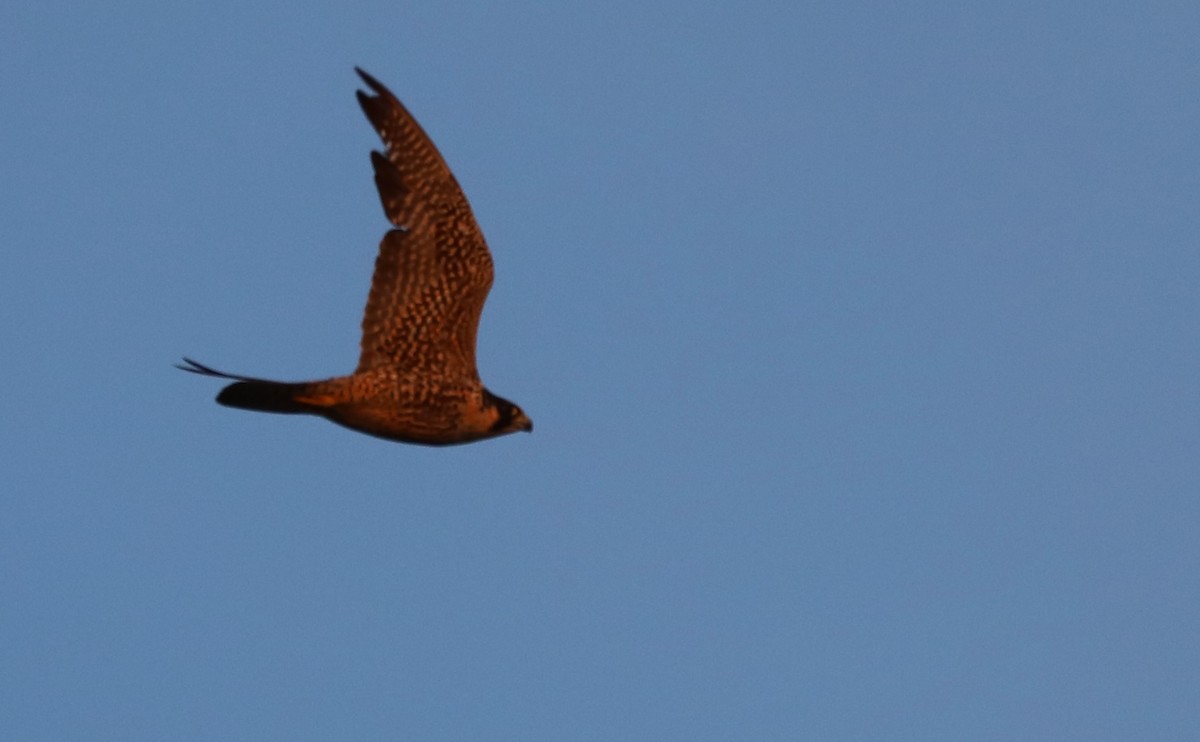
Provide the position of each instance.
(416, 379)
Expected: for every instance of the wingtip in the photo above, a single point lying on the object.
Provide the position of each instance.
(192, 367)
(195, 367)
(371, 82)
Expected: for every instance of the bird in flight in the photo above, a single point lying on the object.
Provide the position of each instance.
(416, 380)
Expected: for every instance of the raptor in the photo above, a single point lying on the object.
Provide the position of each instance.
(416, 380)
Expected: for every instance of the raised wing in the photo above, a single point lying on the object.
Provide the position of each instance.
(434, 271)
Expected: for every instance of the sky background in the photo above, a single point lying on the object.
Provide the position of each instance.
(860, 339)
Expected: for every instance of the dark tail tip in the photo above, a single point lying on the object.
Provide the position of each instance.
(260, 396)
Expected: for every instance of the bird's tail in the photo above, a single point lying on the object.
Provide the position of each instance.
(260, 395)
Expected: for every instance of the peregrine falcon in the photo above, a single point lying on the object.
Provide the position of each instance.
(416, 380)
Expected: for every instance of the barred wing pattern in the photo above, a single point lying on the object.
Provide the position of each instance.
(434, 270)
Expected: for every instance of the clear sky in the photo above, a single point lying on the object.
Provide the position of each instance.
(860, 339)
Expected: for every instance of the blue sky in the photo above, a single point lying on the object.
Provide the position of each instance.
(860, 340)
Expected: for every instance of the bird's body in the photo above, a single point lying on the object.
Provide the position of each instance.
(416, 380)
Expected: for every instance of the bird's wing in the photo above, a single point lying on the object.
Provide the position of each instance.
(434, 271)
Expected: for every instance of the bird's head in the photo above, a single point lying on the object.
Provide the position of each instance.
(509, 417)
